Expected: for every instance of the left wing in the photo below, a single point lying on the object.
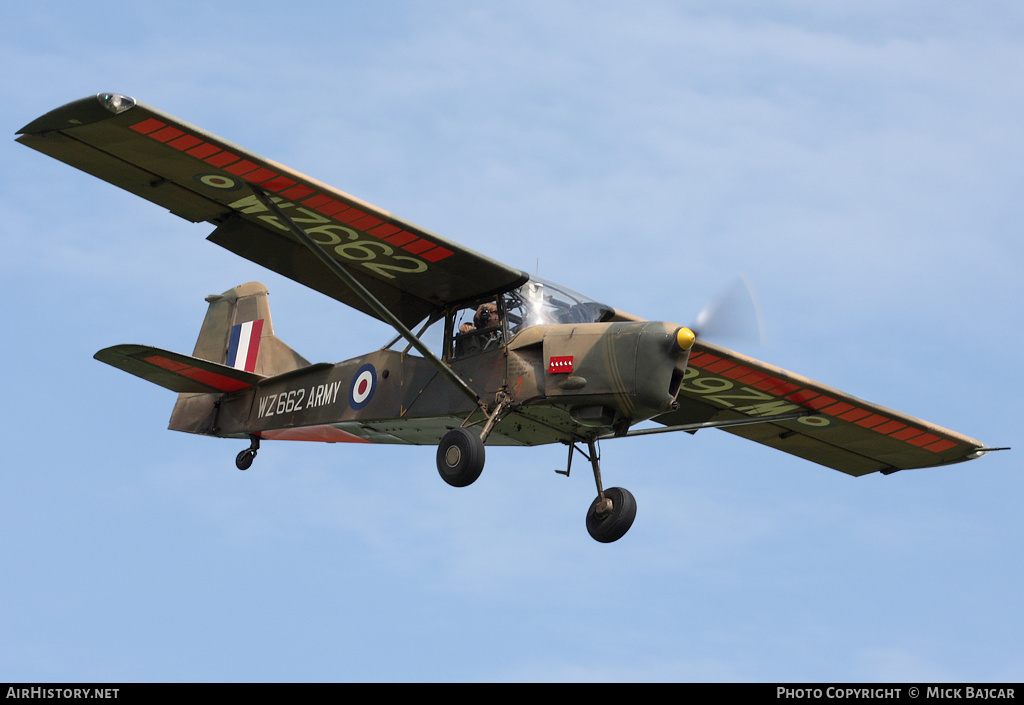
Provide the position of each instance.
(846, 433)
(201, 177)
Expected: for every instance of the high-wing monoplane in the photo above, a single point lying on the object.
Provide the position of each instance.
(484, 353)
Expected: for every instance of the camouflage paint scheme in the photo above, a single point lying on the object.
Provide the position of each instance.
(404, 399)
(596, 376)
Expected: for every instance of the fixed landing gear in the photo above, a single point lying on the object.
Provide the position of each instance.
(460, 460)
(243, 461)
(460, 457)
(613, 510)
(610, 517)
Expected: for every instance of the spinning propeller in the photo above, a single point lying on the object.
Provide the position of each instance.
(734, 315)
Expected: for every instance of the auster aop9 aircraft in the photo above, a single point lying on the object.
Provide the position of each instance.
(513, 359)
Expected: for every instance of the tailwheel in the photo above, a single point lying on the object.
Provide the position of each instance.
(610, 517)
(460, 457)
(243, 461)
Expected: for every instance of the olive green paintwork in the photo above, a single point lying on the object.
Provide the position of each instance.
(622, 371)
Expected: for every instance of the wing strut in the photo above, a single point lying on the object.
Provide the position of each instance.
(725, 423)
(378, 308)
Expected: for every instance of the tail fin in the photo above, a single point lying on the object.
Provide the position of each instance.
(236, 332)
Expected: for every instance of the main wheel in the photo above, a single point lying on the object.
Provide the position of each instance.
(613, 525)
(243, 461)
(460, 457)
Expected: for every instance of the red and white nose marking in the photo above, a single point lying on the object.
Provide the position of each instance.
(560, 364)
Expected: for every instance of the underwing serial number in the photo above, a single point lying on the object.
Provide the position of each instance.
(747, 400)
(346, 242)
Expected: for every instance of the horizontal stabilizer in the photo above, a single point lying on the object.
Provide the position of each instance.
(179, 373)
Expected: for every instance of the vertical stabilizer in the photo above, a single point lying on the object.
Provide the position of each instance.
(236, 332)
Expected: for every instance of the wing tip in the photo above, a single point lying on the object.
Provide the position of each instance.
(77, 113)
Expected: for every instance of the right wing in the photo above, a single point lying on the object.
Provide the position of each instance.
(201, 177)
(847, 434)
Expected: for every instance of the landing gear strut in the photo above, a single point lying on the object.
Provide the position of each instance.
(243, 461)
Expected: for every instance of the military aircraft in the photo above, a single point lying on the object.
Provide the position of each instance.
(499, 357)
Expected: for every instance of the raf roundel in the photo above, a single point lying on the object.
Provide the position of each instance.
(218, 181)
(363, 386)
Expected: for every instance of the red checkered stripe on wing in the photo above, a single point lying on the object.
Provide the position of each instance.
(288, 188)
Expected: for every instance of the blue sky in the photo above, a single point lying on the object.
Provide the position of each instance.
(861, 162)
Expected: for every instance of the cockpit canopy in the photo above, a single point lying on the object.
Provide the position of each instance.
(466, 330)
(539, 301)
(489, 324)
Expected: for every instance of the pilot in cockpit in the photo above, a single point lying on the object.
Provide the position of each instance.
(487, 321)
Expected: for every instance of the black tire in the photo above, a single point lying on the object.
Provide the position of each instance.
(243, 461)
(460, 457)
(614, 525)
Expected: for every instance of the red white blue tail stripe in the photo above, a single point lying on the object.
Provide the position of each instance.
(244, 345)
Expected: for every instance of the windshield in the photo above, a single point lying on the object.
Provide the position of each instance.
(539, 301)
